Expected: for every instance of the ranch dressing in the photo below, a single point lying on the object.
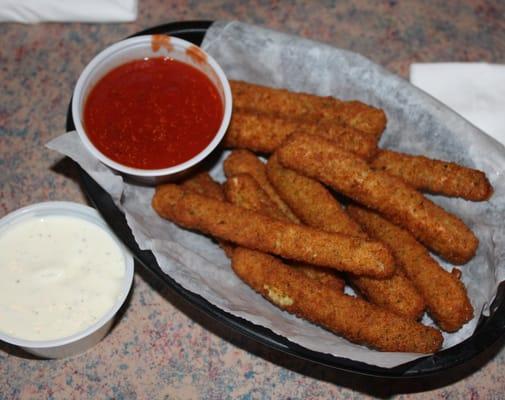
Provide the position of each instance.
(58, 276)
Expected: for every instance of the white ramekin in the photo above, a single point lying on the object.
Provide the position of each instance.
(138, 48)
(81, 341)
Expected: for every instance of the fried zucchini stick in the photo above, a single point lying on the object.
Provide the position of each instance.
(354, 318)
(243, 190)
(250, 229)
(359, 115)
(265, 132)
(444, 293)
(316, 207)
(268, 99)
(245, 162)
(435, 176)
(203, 184)
(311, 202)
(355, 114)
(439, 230)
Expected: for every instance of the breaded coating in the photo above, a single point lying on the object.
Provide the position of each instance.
(397, 294)
(245, 162)
(268, 99)
(311, 202)
(243, 191)
(325, 276)
(444, 293)
(435, 176)
(316, 207)
(263, 133)
(439, 230)
(203, 184)
(355, 114)
(360, 116)
(250, 229)
(354, 318)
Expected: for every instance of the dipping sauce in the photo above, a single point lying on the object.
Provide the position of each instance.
(153, 113)
(58, 276)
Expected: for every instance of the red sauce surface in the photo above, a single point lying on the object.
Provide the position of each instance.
(152, 113)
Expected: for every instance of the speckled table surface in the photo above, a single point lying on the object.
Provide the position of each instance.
(162, 347)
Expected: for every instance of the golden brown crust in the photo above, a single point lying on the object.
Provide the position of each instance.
(253, 230)
(347, 137)
(435, 176)
(245, 162)
(325, 276)
(355, 114)
(267, 99)
(441, 231)
(243, 190)
(361, 116)
(396, 293)
(316, 207)
(444, 293)
(310, 200)
(257, 131)
(203, 184)
(353, 318)
(262, 132)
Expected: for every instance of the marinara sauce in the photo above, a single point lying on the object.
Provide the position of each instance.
(152, 113)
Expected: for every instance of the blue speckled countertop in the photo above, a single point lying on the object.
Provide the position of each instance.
(162, 347)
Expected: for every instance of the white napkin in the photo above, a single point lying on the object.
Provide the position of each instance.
(474, 90)
(33, 11)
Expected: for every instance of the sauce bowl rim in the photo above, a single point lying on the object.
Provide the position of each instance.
(141, 41)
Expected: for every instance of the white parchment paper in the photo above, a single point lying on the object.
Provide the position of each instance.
(416, 124)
